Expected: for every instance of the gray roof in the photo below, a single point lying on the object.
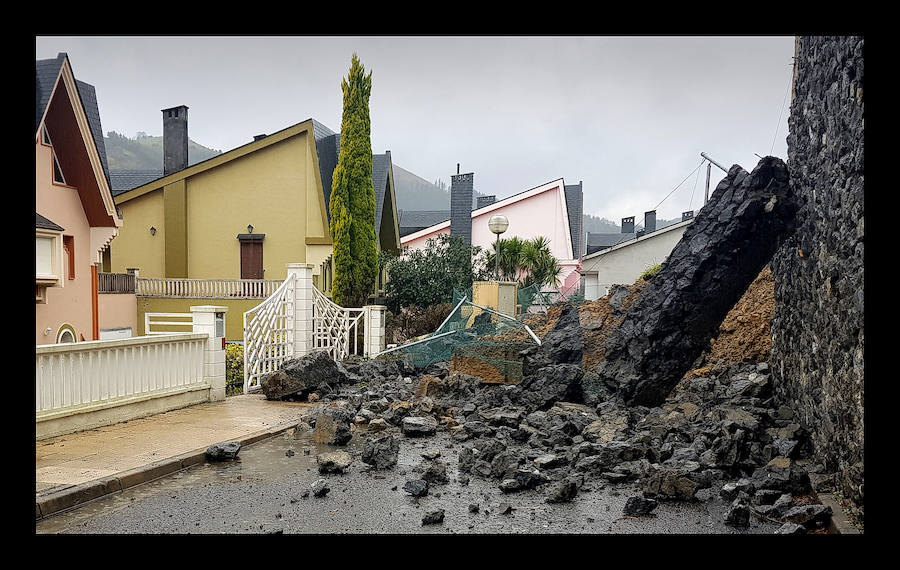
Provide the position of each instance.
(45, 224)
(574, 205)
(608, 240)
(415, 220)
(381, 165)
(46, 73)
(121, 181)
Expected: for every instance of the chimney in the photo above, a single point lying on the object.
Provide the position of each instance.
(175, 139)
(258, 137)
(687, 215)
(650, 221)
(628, 225)
(461, 190)
(485, 201)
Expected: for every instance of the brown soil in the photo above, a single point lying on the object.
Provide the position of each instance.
(598, 314)
(746, 333)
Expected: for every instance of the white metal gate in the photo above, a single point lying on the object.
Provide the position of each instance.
(268, 334)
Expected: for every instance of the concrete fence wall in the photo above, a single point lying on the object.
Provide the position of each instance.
(90, 384)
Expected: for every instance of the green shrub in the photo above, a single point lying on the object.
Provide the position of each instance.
(648, 274)
(234, 369)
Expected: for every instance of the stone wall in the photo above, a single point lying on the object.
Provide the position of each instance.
(818, 332)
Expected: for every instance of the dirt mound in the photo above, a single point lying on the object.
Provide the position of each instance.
(746, 333)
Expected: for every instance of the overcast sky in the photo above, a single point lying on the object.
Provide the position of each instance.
(628, 116)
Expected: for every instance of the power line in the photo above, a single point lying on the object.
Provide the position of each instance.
(680, 183)
(781, 114)
(691, 203)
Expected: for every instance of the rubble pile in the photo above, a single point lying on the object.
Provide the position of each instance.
(717, 436)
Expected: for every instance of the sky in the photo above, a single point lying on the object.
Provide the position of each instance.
(627, 116)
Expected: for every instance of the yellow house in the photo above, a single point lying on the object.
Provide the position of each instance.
(243, 214)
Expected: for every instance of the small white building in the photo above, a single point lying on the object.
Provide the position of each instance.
(624, 262)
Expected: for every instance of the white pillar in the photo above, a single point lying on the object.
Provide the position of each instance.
(303, 308)
(374, 329)
(210, 319)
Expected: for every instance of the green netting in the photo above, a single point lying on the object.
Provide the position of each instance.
(475, 340)
(532, 299)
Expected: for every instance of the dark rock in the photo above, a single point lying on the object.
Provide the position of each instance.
(315, 371)
(418, 426)
(333, 427)
(810, 516)
(731, 490)
(433, 517)
(223, 451)
(564, 344)
(473, 508)
(679, 311)
(638, 506)
(436, 473)
(562, 491)
(673, 482)
(416, 487)
(551, 384)
(382, 452)
(320, 488)
(505, 509)
(738, 513)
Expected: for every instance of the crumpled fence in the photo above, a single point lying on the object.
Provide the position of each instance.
(532, 300)
(477, 341)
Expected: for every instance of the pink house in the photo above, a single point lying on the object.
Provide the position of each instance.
(552, 210)
(76, 217)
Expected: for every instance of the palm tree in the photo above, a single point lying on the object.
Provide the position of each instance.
(526, 261)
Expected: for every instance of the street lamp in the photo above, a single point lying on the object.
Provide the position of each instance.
(498, 223)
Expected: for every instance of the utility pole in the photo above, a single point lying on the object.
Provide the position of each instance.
(708, 169)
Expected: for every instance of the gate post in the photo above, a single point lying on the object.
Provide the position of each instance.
(374, 329)
(210, 319)
(303, 308)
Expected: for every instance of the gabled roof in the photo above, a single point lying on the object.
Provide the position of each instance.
(43, 223)
(122, 181)
(625, 241)
(608, 239)
(46, 73)
(524, 195)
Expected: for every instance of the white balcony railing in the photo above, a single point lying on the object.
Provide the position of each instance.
(205, 288)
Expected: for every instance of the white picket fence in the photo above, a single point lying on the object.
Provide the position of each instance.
(77, 377)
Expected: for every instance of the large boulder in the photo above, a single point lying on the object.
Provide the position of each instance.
(551, 384)
(315, 371)
(418, 426)
(564, 344)
(333, 462)
(672, 321)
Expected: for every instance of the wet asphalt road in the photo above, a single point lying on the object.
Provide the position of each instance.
(261, 493)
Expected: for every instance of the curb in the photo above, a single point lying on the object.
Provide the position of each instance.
(77, 495)
(839, 523)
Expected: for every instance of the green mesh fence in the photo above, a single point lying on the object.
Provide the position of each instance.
(532, 299)
(475, 340)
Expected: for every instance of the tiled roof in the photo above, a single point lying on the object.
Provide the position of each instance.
(122, 181)
(415, 220)
(46, 72)
(45, 224)
(381, 164)
(608, 240)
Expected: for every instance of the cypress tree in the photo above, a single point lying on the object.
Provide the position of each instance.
(352, 203)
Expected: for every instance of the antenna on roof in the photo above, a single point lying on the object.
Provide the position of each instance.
(457, 168)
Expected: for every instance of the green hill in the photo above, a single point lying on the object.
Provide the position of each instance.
(145, 152)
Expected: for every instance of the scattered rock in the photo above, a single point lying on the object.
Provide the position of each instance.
(416, 487)
(223, 451)
(320, 488)
(301, 375)
(738, 513)
(382, 452)
(333, 462)
(418, 426)
(638, 506)
(433, 517)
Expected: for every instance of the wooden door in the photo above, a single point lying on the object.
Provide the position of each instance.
(252, 259)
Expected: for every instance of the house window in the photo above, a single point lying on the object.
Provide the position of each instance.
(65, 334)
(69, 249)
(57, 171)
(45, 136)
(44, 256)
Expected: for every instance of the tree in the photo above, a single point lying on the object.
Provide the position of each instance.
(352, 203)
(426, 277)
(526, 261)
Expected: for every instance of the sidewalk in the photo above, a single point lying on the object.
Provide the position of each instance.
(75, 468)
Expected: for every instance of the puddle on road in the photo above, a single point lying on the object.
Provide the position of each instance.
(261, 492)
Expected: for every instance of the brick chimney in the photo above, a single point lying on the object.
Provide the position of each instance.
(628, 225)
(461, 190)
(687, 215)
(650, 221)
(175, 139)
